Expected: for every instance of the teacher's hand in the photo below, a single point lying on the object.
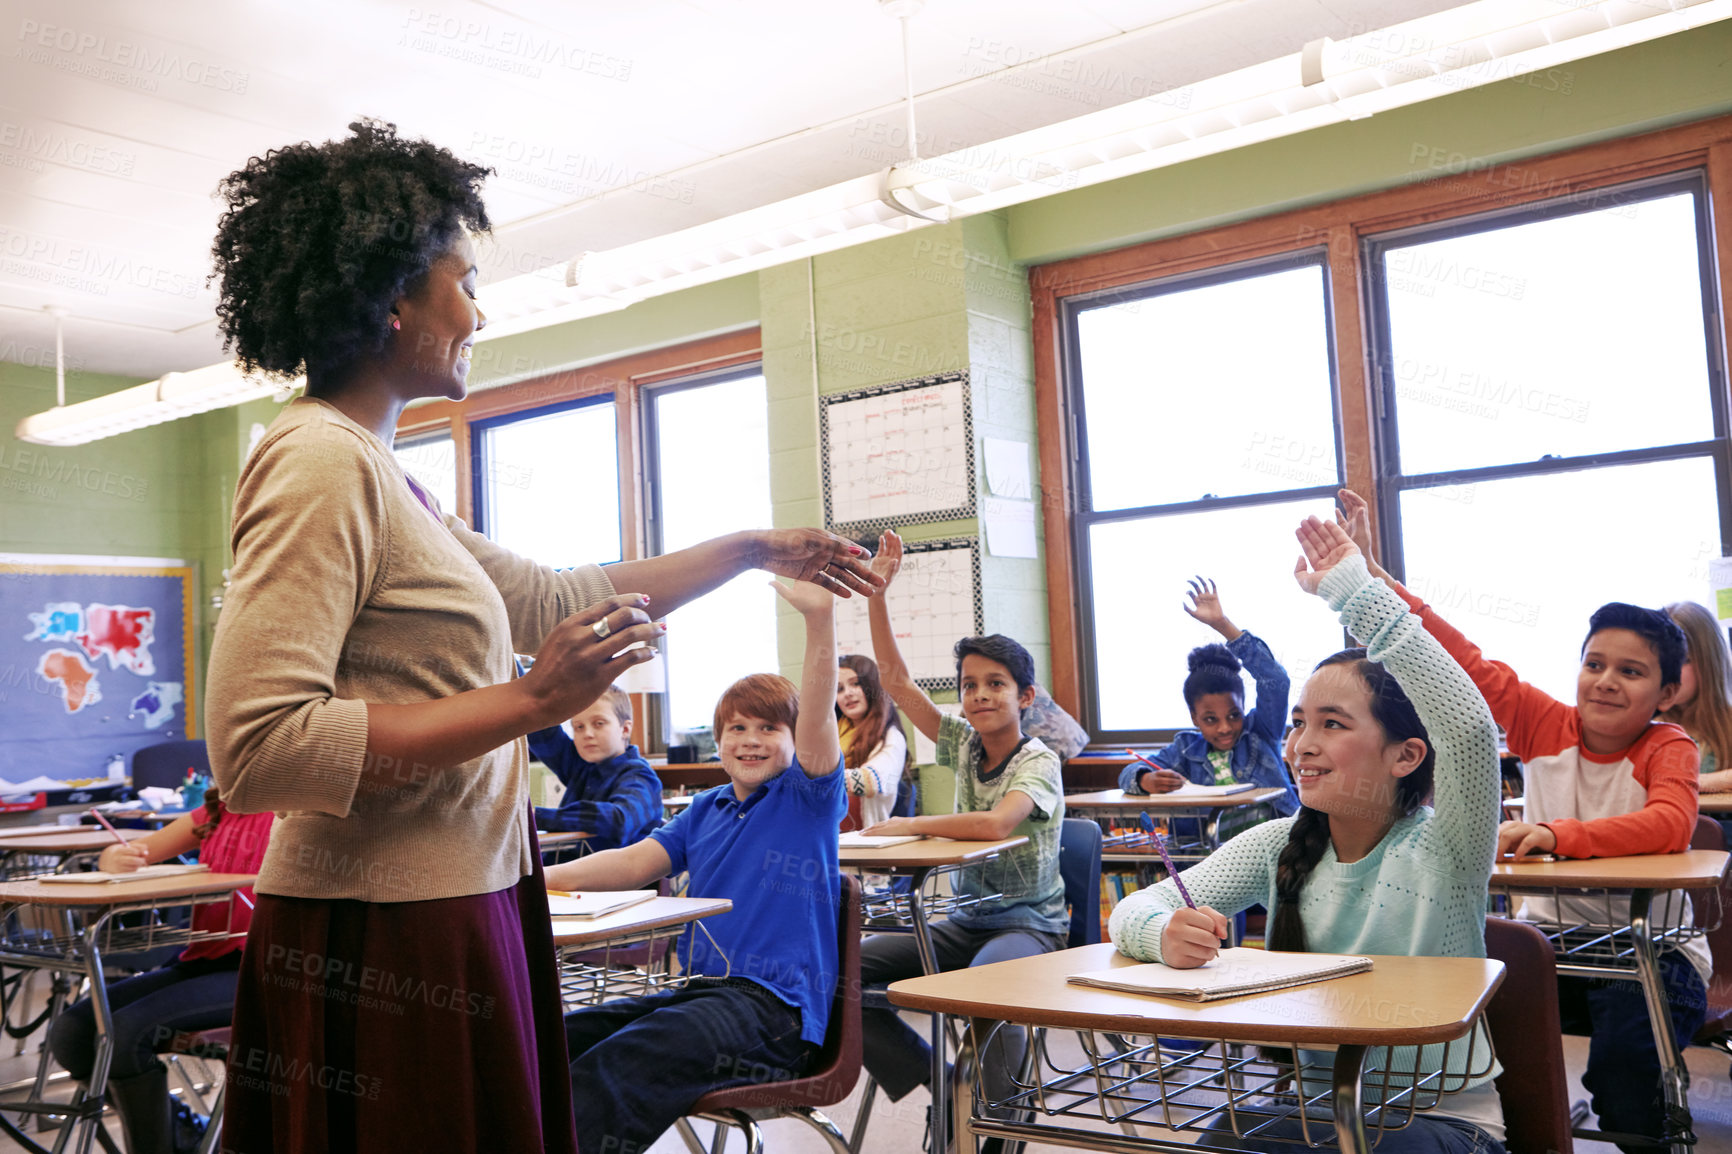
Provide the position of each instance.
(824, 559)
(577, 663)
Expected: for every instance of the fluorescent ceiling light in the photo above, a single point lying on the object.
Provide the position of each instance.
(1327, 82)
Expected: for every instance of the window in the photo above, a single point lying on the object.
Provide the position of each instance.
(547, 482)
(708, 452)
(1205, 431)
(1552, 439)
(432, 461)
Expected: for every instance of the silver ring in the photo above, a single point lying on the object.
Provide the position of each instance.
(602, 629)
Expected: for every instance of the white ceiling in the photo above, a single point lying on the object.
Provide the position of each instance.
(608, 123)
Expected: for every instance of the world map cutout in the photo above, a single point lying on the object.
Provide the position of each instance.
(121, 633)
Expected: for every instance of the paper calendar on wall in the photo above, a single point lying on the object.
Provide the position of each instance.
(897, 454)
(934, 602)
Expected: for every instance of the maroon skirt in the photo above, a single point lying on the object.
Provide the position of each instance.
(410, 1026)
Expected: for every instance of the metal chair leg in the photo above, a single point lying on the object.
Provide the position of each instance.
(858, 1136)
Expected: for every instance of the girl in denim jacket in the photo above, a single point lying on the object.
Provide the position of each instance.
(1228, 745)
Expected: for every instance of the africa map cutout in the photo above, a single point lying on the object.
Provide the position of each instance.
(121, 633)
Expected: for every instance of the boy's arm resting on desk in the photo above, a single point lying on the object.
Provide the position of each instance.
(628, 868)
(993, 824)
(1269, 719)
(1664, 825)
(1235, 877)
(1719, 781)
(1467, 779)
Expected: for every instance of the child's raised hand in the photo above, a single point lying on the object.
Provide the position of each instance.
(806, 597)
(1353, 514)
(888, 561)
(1326, 545)
(1205, 606)
(1193, 937)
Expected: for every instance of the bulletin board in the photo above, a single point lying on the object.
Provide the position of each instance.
(934, 603)
(96, 658)
(897, 454)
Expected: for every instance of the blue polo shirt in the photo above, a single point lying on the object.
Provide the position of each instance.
(774, 856)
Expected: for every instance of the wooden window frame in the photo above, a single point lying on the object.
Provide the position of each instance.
(625, 377)
(1339, 227)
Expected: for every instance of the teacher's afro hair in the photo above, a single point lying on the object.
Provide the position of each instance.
(319, 240)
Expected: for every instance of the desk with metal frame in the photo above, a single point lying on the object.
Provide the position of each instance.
(615, 955)
(1137, 846)
(923, 862)
(1594, 938)
(1222, 1084)
(74, 929)
(65, 848)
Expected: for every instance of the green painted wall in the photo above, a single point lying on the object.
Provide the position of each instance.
(1664, 82)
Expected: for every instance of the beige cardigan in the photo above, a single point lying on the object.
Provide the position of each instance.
(347, 590)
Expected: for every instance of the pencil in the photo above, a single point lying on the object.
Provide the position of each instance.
(1172, 870)
(97, 814)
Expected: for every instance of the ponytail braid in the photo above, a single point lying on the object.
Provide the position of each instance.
(211, 814)
(1306, 842)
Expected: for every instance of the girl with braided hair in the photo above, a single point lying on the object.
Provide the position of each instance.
(1365, 867)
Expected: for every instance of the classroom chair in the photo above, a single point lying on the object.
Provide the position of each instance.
(165, 765)
(1079, 866)
(833, 1076)
(1527, 1034)
(1716, 1031)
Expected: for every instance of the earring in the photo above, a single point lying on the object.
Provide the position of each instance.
(396, 324)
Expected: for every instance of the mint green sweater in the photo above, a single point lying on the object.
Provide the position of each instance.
(1422, 890)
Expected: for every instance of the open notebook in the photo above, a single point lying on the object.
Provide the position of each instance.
(877, 841)
(145, 873)
(1234, 972)
(1192, 789)
(595, 903)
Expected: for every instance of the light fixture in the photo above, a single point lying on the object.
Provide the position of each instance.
(1325, 83)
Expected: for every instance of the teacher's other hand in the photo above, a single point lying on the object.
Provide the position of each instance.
(582, 656)
(826, 560)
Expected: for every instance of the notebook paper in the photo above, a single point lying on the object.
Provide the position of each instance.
(1233, 973)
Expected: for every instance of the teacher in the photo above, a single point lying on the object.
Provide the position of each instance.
(398, 989)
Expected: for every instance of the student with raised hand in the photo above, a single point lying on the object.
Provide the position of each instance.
(1006, 783)
(764, 974)
(611, 793)
(1603, 778)
(1365, 867)
(874, 749)
(1228, 745)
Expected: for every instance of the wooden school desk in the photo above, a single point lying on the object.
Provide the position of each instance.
(1104, 805)
(18, 855)
(1401, 1001)
(1715, 804)
(77, 929)
(617, 955)
(923, 862)
(1613, 943)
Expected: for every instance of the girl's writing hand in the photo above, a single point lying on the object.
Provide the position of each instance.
(1160, 780)
(1193, 937)
(1326, 545)
(123, 859)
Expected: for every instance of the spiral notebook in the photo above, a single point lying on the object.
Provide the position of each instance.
(1234, 973)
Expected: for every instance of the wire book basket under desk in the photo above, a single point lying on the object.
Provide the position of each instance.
(629, 953)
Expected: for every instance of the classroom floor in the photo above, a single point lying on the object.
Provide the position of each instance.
(897, 1128)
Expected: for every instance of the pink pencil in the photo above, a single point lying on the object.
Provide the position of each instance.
(98, 816)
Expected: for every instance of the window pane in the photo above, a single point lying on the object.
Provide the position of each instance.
(713, 447)
(1222, 389)
(1521, 586)
(432, 461)
(553, 486)
(1580, 334)
(1142, 633)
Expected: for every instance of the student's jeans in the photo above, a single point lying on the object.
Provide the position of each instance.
(148, 1011)
(1423, 1135)
(639, 1064)
(1623, 1074)
(897, 1056)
